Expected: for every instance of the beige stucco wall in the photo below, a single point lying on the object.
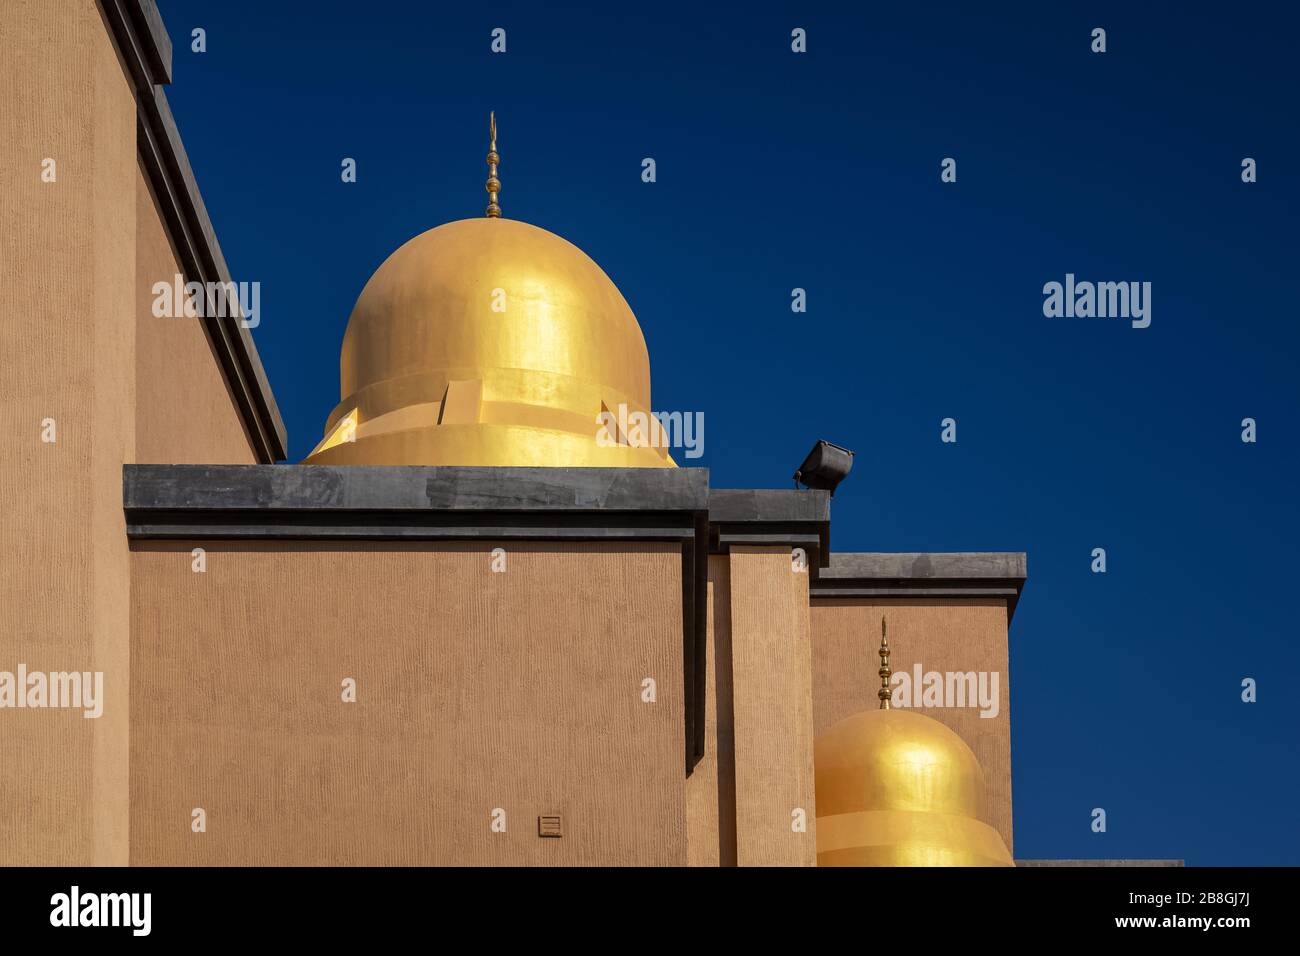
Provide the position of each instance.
(711, 788)
(476, 690)
(67, 294)
(942, 635)
(771, 698)
(184, 410)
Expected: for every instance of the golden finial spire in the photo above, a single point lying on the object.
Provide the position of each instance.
(884, 671)
(493, 184)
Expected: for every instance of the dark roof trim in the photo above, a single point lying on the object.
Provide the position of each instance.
(971, 574)
(150, 22)
(188, 495)
(142, 41)
(781, 517)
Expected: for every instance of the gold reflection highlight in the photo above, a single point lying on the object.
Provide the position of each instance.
(488, 342)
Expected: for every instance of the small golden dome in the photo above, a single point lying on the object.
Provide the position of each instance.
(897, 788)
(491, 342)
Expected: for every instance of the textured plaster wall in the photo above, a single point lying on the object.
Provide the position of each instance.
(67, 295)
(771, 678)
(476, 690)
(184, 411)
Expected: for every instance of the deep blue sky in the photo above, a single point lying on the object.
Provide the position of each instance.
(821, 170)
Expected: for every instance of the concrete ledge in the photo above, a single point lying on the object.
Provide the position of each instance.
(769, 505)
(957, 575)
(763, 516)
(921, 565)
(317, 497)
(414, 502)
(149, 24)
(142, 38)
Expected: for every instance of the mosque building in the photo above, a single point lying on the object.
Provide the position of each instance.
(482, 623)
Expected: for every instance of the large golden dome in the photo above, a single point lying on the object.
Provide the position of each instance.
(490, 342)
(897, 788)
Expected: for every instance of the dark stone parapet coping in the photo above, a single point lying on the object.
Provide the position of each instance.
(196, 500)
(142, 40)
(968, 565)
(768, 505)
(971, 574)
(766, 517)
